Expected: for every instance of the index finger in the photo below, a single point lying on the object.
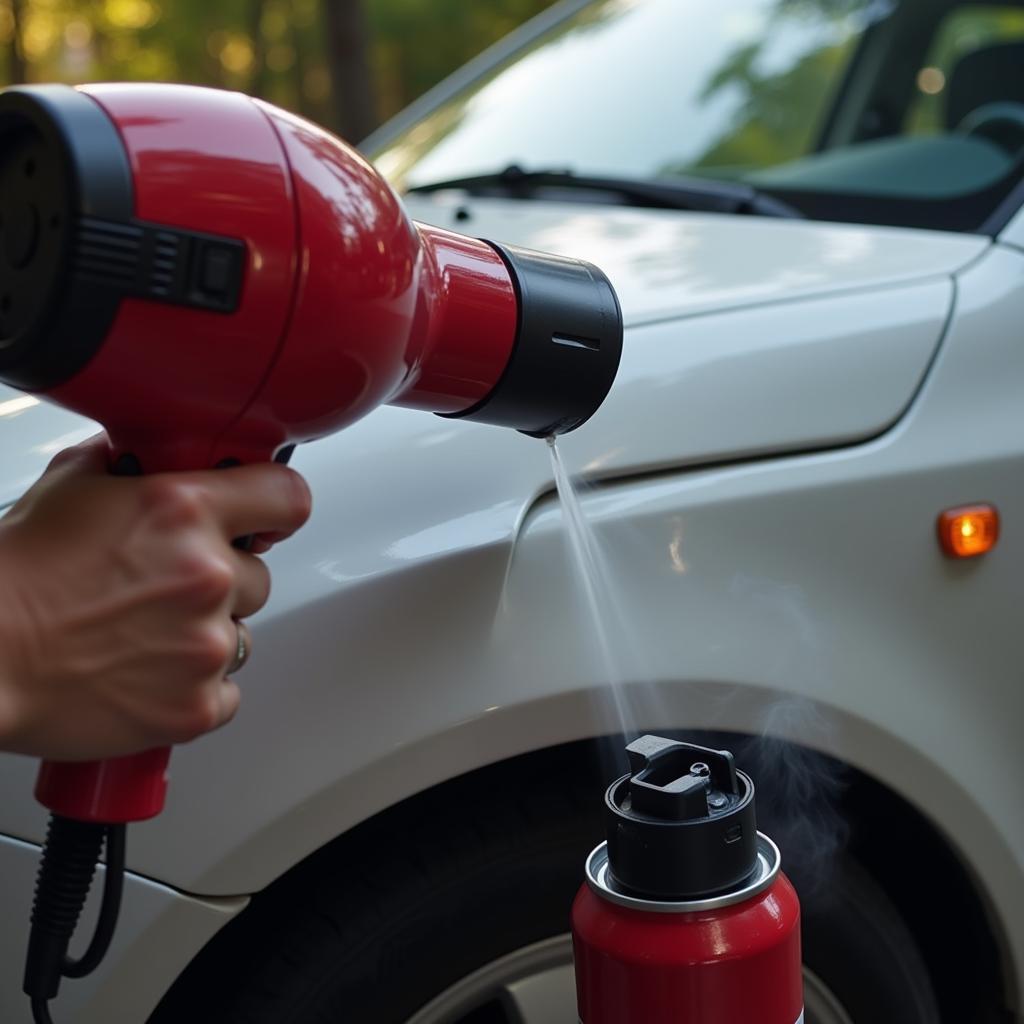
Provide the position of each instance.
(264, 498)
(90, 455)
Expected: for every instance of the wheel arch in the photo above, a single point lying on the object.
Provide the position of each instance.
(910, 858)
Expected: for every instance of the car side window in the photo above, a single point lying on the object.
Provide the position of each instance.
(972, 80)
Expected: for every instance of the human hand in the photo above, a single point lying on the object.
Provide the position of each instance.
(118, 598)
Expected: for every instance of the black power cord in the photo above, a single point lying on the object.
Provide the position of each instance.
(110, 907)
(65, 876)
(41, 1011)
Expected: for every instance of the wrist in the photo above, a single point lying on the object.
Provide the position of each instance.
(12, 718)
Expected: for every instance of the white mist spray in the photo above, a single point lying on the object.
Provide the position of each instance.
(799, 790)
(597, 590)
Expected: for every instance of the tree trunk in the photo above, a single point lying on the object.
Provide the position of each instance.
(298, 76)
(15, 55)
(348, 44)
(257, 76)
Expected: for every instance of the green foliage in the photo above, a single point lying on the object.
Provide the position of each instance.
(818, 8)
(418, 42)
(274, 48)
(781, 110)
(782, 113)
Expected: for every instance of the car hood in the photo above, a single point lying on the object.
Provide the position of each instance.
(672, 268)
(668, 264)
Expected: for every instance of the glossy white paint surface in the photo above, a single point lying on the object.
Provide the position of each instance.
(711, 388)
(423, 624)
(157, 934)
(748, 382)
(31, 433)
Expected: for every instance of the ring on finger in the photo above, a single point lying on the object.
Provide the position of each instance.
(243, 647)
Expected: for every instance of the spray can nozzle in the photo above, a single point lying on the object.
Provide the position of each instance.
(681, 824)
(679, 781)
(685, 914)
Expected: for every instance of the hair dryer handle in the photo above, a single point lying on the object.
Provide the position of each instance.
(116, 790)
(130, 788)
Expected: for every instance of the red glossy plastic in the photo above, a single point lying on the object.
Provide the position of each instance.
(119, 789)
(345, 305)
(734, 965)
(170, 380)
(385, 311)
(471, 325)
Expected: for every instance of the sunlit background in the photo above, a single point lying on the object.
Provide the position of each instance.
(349, 64)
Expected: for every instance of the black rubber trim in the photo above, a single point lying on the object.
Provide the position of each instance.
(61, 158)
(1005, 211)
(160, 263)
(567, 348)
(70, 248)
(99, 170)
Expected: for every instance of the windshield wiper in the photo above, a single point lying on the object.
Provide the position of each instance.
(677, 194)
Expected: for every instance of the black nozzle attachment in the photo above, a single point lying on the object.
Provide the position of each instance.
(681, 824)
(567, 348)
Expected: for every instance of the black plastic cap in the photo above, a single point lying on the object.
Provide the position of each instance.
(567, 349)
(61, 160)
(682, 824)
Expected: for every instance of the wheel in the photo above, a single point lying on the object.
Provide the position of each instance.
(535, 985)
(458, 914)
(861, 963)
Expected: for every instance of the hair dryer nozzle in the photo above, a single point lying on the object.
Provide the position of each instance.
(567, 347)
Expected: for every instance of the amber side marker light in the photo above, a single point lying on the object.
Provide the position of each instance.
(969, 530)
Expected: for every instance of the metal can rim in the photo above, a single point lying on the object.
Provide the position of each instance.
(769, 863)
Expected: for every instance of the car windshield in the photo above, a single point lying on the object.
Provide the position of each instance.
(874, 111)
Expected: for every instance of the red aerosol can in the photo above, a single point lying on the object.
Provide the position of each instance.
(685, 916)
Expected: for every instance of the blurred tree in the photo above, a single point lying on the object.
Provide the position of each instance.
(347, 63)
(832, 8)
(254, 29)
(781, 107)
(419, 42)
(15, 54)
(781, 115)
(348, 54)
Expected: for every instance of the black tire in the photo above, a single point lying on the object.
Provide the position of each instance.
(857, 944)
(372, 927)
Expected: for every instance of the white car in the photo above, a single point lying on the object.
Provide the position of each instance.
(811, 210)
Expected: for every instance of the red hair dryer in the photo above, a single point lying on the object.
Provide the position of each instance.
(685, 917)
(215, 280)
